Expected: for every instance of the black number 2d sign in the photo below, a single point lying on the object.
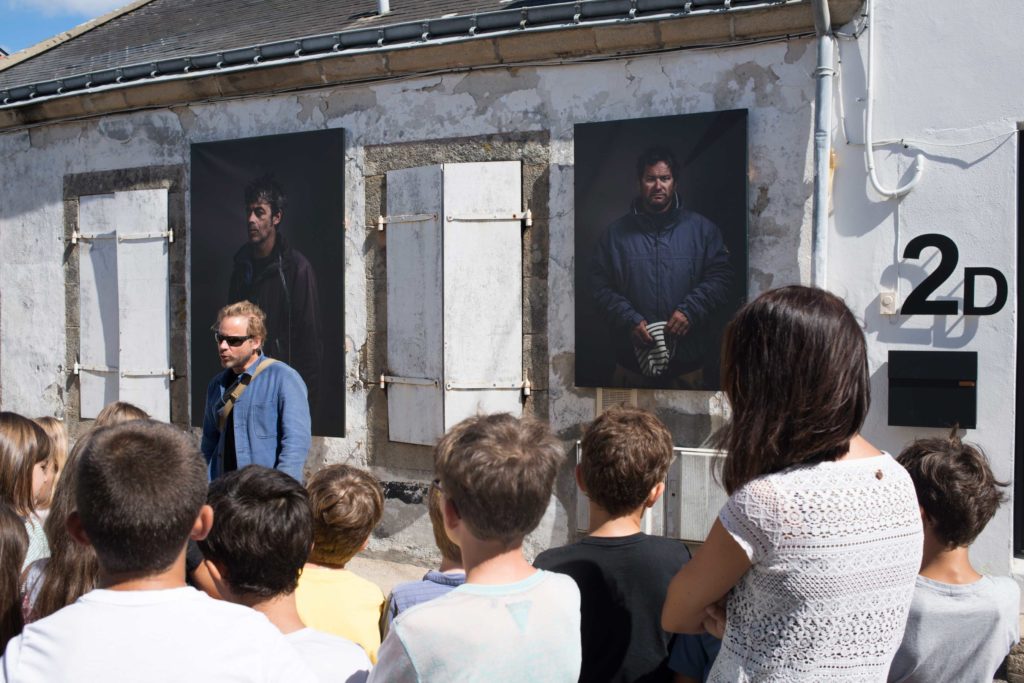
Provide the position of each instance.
(918, 303)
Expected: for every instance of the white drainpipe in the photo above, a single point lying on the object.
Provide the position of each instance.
(824, 74)
(869, 143)
(383, 7)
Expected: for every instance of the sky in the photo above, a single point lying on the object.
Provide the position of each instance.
(23, 23)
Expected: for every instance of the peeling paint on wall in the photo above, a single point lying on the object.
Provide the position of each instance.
(771, 80)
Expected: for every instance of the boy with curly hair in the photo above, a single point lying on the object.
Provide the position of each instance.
(962, 623)
(347, 505)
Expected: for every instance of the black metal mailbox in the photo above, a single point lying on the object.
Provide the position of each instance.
(933, 388)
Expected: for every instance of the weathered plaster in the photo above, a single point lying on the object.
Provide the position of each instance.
(420, 121)
(968, 133)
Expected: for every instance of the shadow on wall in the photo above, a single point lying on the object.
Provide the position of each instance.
(945, 332)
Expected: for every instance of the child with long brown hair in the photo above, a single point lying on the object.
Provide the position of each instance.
(13, 546)
(815, 554)
(70, 571)
(58, 436)
(25, 475)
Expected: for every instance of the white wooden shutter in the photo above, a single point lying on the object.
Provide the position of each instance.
(415, 307)
(125, 306)
(483, 290)
(98, 316)
(454, 269)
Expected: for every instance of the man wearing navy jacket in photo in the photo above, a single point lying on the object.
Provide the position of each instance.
(659, 276)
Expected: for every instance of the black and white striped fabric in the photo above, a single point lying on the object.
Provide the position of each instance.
(654, 359)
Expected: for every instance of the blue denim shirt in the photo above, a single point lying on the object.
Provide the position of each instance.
(271, 418)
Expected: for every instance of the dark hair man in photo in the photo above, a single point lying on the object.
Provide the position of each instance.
(659, 275)
(270, 273)
(256, 409)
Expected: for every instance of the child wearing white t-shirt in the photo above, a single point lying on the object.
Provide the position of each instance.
(262, 534)
(508, 622)
(140, 496)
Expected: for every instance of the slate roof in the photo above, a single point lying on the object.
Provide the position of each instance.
(162, 30)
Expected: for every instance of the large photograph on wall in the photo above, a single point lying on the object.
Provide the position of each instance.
(268, 226)
(661, 248)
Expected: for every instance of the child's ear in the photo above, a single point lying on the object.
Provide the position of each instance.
(215, 568)
(655, 494)
(76, 530)
(366, 544)
(218, 586)
(204, 522)
(451, 514)
(579, 478)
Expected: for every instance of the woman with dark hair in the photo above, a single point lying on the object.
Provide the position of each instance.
(810, 567)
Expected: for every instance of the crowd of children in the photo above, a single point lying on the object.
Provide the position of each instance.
(830, 561)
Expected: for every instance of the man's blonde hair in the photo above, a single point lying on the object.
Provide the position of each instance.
(257, 326)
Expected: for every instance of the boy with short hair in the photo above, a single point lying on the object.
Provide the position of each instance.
(140, 494)
(961, 623)
(347, 505)
(509, 622)
(434, 584)
(261, 536)
(623, 574)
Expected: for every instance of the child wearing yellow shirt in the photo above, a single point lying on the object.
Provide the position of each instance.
(347, 504)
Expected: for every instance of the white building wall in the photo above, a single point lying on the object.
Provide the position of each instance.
(947, 81)
(773, 80)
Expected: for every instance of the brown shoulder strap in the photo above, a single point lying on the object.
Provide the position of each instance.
(237, 389)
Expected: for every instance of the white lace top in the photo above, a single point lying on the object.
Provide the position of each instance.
(836, 548)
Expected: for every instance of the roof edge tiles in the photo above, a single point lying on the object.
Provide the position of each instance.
(317, 61)
(52, 42)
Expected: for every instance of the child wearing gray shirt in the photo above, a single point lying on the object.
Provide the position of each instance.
(961, 624)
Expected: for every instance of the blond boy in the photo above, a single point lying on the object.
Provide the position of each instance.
(509, 622)
(435, 583)
(347, 505)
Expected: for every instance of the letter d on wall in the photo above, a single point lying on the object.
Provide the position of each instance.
(1002, 289)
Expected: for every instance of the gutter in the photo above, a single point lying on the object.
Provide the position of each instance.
(442, 31)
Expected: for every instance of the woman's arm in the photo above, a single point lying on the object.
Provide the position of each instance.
(717, 566)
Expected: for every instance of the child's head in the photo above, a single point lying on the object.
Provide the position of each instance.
(118, 412)
(24, 462)
(72, 569)
(626, 454)
(449, 550)
(347, 504)
(13, 546)
(955, 488)
(498, 471)
(58, 437)
(140, 489)
(262, 531)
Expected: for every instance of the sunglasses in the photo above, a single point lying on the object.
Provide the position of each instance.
(232, 341)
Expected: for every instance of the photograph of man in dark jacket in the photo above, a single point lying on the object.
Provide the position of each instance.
(659, 276)
(276, 277)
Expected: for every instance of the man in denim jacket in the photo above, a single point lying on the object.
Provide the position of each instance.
(269, 422)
